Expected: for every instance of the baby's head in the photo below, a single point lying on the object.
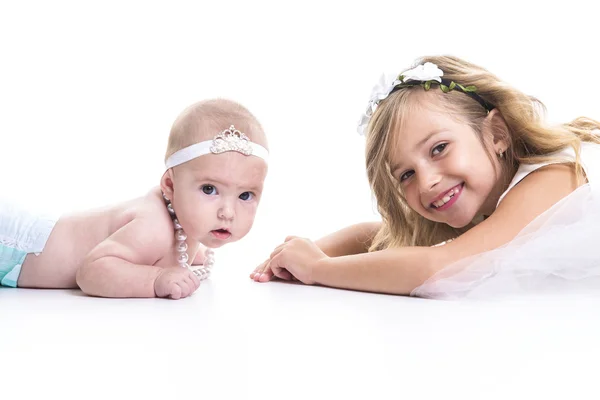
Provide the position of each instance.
(442, 145)
(216, 163)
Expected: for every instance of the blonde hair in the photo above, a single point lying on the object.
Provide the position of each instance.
(529, 140)
(205, 119)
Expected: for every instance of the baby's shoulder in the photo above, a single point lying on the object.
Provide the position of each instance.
(148, 216)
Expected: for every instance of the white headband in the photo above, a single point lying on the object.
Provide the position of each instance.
(229, 140)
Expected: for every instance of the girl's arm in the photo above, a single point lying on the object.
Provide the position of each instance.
(354, 239)
(401, 270)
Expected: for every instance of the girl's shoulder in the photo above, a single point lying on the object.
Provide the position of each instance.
(589, 158)
(542, 234)
(536, 194)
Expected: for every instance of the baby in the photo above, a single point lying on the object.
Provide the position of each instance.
(216, 164)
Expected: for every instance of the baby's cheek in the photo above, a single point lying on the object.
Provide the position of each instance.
(247, 222)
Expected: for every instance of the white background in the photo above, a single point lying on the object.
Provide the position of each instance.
(89, 90)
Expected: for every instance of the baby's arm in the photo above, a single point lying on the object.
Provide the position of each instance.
(123, 264)
(401, 270)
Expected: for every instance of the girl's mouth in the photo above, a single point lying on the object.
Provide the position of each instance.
(449, 198)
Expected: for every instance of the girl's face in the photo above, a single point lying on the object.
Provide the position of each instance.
(445, 172)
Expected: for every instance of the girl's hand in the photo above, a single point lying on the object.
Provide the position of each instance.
(262, 273)
(294, 259)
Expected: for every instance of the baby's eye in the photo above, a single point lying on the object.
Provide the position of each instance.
(406, 175)
(209, 189)
(246, 196)
(438, 149)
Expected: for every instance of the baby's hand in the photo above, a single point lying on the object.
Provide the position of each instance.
(176, 283)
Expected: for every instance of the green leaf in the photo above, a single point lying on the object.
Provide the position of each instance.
(470, 88)
(401, 78)
(444, 88)
(452, 85)
(427, 85)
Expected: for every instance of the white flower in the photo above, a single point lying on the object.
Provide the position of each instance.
(386, 84)
(424, 72)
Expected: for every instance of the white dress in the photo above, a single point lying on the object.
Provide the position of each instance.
(559, 251)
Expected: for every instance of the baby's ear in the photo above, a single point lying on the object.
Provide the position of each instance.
(497, 131)
(166, 183)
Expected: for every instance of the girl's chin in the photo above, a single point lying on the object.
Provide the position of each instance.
(460, 222)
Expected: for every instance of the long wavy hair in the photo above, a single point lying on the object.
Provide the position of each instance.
(530, 142)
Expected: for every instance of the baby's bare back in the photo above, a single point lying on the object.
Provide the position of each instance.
(75, 235)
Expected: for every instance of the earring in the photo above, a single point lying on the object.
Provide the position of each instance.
(501, 154)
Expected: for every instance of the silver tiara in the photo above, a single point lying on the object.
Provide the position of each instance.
(231, 140)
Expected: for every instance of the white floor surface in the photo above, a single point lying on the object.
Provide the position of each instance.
(235, 338)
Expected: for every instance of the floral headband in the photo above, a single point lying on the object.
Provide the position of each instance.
(424, 75)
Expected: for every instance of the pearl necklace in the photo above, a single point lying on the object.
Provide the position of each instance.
(181, 247)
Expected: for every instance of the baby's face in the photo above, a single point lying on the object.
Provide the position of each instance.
(216, 196)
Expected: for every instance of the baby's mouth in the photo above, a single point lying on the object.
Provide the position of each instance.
(221, 233)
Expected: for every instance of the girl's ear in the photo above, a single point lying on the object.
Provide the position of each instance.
(497, 131)
(166, 184)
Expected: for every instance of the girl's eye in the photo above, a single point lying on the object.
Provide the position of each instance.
(246, 196)
(438, 149)
(209, 189)
(406, 175)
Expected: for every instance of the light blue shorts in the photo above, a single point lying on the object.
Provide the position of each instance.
(21, 233)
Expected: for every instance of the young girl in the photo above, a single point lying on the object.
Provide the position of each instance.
(477, 195)
(208, 196)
